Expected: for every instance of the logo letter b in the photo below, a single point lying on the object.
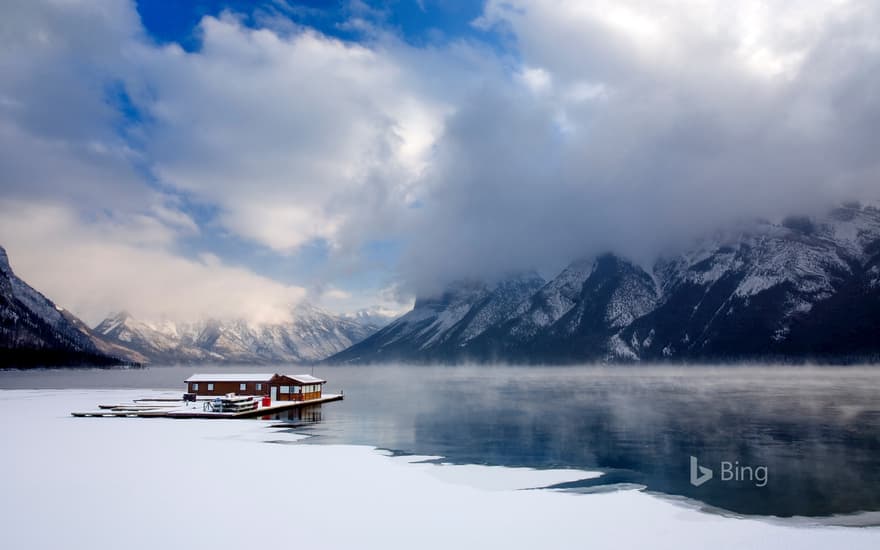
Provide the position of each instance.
(699, 474)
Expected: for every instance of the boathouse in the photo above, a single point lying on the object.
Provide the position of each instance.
(280, 387)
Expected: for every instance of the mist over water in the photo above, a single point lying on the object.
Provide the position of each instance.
(815, 430)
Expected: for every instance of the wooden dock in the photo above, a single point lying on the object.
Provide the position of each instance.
(144, 408)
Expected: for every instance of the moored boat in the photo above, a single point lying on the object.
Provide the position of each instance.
(231, 403)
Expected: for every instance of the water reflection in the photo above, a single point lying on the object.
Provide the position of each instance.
(297, 416)
(820, 443)
(815, 431)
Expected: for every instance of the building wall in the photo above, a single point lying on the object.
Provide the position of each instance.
(222, 388)
(312, 395)
(296, 396)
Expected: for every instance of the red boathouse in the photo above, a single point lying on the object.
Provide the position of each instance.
(280, 387)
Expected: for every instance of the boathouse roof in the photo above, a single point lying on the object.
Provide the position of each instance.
(263, 377)
(306, 378)
(230, 377)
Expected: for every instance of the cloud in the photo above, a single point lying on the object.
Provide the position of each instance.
(85, 218)
(59, 129)
(291, 135)
(624, 125)
(382, 305)
(123, 262)
(337, 294)
(635, 126)
(78, 213)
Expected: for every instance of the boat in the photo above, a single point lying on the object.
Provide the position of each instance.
(231, 403)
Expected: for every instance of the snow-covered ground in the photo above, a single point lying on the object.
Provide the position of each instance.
(101, 483)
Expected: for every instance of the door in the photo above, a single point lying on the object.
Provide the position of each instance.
(274, 393)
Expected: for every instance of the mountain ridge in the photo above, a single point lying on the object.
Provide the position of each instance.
(310, 334)
(437, 326)
(34, 331)
(807, 288)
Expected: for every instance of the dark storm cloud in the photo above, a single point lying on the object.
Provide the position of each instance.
(638, 131)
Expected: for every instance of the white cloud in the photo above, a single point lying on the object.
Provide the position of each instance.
(285, 135)
(335, 294)
(536, 79)
(84, 266)
(289, 135)
(385, 303)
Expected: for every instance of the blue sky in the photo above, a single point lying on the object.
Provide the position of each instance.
(418, 22)
(228, 159)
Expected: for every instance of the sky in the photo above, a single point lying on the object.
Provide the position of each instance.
(231, 158)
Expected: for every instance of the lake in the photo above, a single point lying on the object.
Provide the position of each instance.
(781, 441)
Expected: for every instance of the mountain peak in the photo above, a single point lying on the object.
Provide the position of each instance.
(121, 316)
(113, 322)
(376, 316)
(4, 262)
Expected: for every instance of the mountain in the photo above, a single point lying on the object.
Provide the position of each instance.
(36, 332)
(438, 328)
(376, 316)
(310, 334)
(105, 346)
(802, 289)
(772, 291)
(575, 316)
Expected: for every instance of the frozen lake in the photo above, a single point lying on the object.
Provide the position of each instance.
(814, 431)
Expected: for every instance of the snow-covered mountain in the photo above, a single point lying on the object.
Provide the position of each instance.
(376, 316)
(310, 334)
(575, 315)
(803, 288)
(438, 327)
(34, 331)
(771, 290)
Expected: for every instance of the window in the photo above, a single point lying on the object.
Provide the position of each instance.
(242, 387)
(195, 387)
(285, 389)
(297, 389)
(259, 387)
(210, 387)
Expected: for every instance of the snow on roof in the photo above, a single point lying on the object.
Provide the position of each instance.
(306, 378)
(230, 377)
(240, 377)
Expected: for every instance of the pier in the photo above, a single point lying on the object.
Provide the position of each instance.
(165, 408)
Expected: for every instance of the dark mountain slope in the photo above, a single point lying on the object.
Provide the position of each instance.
(36, 332)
